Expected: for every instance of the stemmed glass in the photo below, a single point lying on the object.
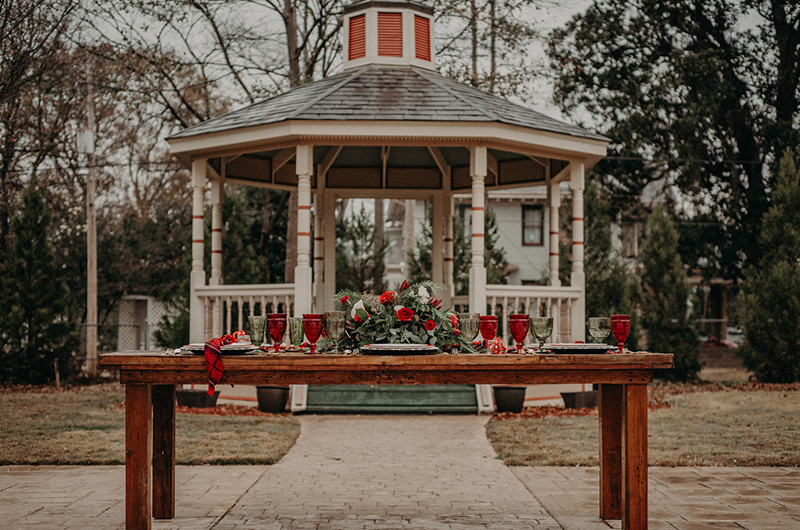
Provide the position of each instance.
(469, 323)
(599, 328)
(312, 326)
(296, 331)
(541, 328)
(488, 328)
(276, 326)
(518, 325)
(334, 324)
(620, 327)
(257, 330)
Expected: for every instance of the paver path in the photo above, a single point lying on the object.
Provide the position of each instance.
(389, 472)
(397, 472)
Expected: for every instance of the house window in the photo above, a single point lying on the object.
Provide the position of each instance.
(630, 240)
(358, 38)
(532, 225)
(390, 34)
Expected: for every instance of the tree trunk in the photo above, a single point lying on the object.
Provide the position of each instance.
(378, 223)
(290, 21)
(492, 44)
(473, 23)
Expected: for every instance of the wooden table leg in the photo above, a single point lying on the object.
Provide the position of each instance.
(634, 458)
(610, 451)
(138, 457)
(163, 451)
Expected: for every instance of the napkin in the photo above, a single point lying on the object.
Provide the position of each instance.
(213, 355)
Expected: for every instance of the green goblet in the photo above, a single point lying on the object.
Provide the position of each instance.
(469, 324)
(257, 326)
(296, 331)
(334, 324)
(541, 328)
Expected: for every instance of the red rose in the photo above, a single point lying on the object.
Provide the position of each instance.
(456, 332)
(402, 287)
(357, 318)
(436, 303)
(387, 298)
(344, 300)
(405, 314)
(429, 325)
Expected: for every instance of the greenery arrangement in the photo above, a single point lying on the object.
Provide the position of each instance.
(408, 315)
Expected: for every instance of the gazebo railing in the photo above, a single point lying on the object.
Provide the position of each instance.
(534, 300)
(227, 306)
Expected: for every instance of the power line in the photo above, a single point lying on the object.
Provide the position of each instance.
(103, 165)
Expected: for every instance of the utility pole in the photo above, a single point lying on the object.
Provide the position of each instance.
(86, 147)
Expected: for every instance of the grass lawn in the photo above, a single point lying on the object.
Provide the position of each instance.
(89, 428)
(729, 427)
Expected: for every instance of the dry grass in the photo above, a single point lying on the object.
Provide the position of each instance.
(88, 427)
(727, 427)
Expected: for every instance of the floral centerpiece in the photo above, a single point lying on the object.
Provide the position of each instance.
(408, 315)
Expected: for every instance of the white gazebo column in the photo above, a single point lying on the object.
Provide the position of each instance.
(477, 271)
(302, 271)
(437, 239)
(329, 253)
(217, 197)
(449, 282)
(198, 275)
(553, 206)
(319, 249)
(578, 277)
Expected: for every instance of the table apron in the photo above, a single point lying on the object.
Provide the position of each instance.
(385, 376)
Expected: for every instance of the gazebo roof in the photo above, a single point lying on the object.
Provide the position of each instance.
(386, 93)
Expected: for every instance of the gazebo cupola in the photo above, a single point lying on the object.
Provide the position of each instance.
(389, 32)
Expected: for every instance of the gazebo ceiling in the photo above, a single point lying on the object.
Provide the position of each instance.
(416, 119)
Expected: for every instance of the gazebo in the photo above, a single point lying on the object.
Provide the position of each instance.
(387, 126)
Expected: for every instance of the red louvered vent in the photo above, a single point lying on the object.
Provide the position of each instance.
(358, 38)
(390, 34)
(422, 37)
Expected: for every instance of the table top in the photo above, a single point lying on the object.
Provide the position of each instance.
(142, 367)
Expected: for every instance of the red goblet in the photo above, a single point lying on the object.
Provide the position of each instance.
(620, 327)
(312, 327)
(276, 326)
(488, 328)
(518, 325)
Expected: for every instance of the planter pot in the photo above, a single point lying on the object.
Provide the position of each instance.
(272, 398)
(509, 398)
(195, 398)
(579, 400)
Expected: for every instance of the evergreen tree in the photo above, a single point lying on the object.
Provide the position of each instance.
(359, 265)
(666, 299)
(610, 289)
(772, 290)
(494, 257)
(34, 330)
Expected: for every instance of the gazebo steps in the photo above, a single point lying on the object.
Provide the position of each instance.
(439, 399)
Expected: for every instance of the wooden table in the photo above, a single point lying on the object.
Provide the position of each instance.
(150, 380)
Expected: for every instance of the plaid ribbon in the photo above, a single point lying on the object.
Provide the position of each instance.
(213, 355)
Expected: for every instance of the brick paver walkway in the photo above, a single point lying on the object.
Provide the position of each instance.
(398, 472)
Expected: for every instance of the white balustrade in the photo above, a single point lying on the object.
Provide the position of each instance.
(533, 300)
(229, 304)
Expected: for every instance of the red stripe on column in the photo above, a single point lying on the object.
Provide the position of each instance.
(448, 259)
(320, 258)
(553, 233)
(304, 233)
(197, 240)
(577, 218)
(216, 229)
(216, 252)
(448, 240)
(197, 217)
(554, 253)
(479, 208)
(304, 207)
(319, 239)
(577, 242)
(477, 235)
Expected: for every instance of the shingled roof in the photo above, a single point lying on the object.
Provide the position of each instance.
(386, 93)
